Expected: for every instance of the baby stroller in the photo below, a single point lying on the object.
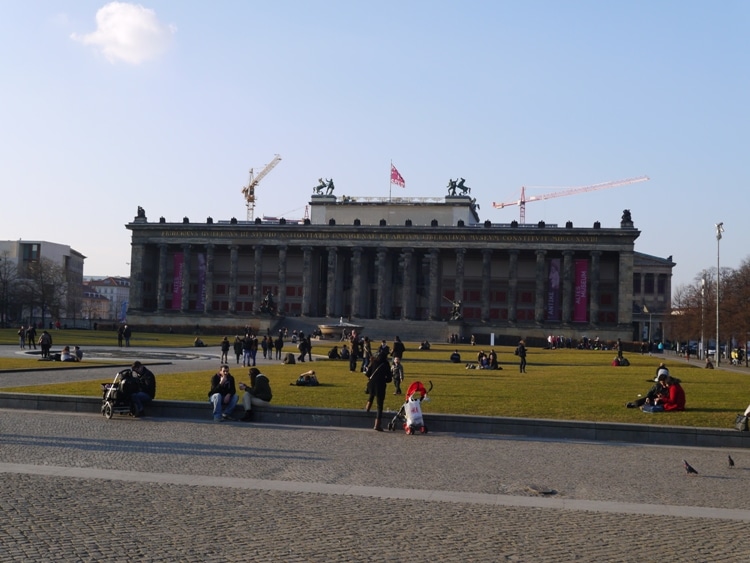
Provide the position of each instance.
(410, 413)
(116, 395)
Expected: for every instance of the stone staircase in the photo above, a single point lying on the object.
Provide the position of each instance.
(376, 329)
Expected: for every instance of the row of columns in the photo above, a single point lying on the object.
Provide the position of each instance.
(408, 290)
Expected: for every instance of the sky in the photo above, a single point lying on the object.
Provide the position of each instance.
(167, 105)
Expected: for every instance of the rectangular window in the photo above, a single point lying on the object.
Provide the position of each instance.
(221, 289)
(244, 290)
(661, 284)
(648, 285)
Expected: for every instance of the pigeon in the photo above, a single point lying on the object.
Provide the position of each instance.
(731, 461)
(689, 468)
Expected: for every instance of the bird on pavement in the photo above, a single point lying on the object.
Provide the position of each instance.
(689, 468)
(731, 461)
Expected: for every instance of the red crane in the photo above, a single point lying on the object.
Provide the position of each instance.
(570, 191)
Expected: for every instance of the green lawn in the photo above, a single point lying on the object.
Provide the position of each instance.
(559, 384)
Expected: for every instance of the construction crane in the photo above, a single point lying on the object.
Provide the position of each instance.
(521, 203)
(249, 190)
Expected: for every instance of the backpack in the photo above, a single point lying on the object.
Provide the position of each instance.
(516, 351)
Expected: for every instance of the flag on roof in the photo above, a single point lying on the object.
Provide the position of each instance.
(396, 178)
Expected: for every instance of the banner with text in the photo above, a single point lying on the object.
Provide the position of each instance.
(553, 293)
(178, 261)
(581, 298)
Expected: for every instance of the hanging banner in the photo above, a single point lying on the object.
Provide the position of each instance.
(201, 282)
(581, 297)
(553, 293)
(178, 261)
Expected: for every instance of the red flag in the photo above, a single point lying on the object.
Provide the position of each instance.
(396, 178)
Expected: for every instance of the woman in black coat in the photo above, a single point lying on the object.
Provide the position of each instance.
(378, 372)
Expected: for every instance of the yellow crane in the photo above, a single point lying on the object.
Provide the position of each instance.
(249, 190)
(521, 203)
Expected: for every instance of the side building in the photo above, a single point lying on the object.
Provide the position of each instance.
(40, 281)
(402, 259)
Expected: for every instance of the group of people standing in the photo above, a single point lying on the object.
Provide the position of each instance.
(27, 334)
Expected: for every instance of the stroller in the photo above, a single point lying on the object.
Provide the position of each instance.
(410, 413)
(116, 395)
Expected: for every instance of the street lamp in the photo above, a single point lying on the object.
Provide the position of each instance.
(702, 351)
(719, 230)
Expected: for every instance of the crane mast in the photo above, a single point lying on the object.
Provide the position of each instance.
(249, 190)
(521, 203)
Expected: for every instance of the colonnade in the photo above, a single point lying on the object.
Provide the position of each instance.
(371, 281)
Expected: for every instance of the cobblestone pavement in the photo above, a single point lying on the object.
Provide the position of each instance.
(78, 487)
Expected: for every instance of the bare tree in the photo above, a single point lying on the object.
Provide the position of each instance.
(8, 288)
(44, 285)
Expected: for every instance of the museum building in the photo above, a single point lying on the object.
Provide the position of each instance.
(399, 259)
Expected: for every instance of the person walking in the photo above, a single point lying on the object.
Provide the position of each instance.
(521, 353)
(238, 348)
(224, 350)
(397, 372)
(22, 337)
(378, 373)
(31, 336)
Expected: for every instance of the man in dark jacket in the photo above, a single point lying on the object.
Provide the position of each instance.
(146, 387)
(258, 393)
(223, 394)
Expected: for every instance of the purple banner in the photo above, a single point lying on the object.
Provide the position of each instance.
(178, 262)
(581, 297)
(553, 293)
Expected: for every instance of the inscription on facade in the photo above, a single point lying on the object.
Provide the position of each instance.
(370, 236)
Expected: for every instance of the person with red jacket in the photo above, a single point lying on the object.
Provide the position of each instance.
(674, 400)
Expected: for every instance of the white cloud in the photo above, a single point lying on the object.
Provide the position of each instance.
(128, 33)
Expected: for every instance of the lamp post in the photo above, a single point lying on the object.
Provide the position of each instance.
(719, 230)
(703, 301)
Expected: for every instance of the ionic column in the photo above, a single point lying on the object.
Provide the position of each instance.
(407, 290)
(567, 286)
(486, 276)
(233, 269)
(306, 280)
(433, 298)
(209, 287)
(381, 290)
(185, 303)
(281, 297)
(459, 290)
(161, 281)
(356, 281)
(257, 277)
(540, 285)
(594, 287)
(331, 283)
(135, 298)
(513, 286)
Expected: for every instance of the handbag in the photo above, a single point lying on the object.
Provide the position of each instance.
(740, 423)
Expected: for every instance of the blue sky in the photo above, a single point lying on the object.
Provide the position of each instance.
(167, 105)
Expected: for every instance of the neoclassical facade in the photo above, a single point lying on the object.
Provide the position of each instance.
(389, 259)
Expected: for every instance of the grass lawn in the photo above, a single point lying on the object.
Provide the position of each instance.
(559, 384)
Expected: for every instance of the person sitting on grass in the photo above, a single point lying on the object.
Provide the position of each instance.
(653, 393)
(455, 357)
(671, 399)
(333, 353)
(306, 379)
(344, 352)
(66, 356)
